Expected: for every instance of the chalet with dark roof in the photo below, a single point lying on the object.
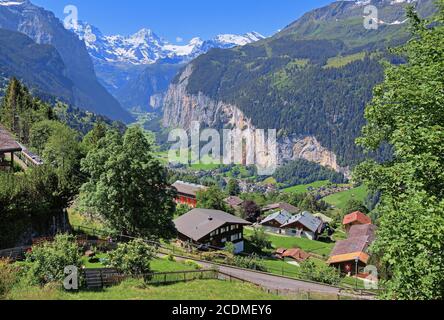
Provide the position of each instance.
(8, 146)
(213, 228)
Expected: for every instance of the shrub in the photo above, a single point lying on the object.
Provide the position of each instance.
(325, 274)
(230, 248)
(252, 263)
(132, 258)
(50, 259)
(8, 277)
(170, 257)
(260, 239)
(192, 264)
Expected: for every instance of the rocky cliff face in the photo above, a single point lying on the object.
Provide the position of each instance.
(182, 108)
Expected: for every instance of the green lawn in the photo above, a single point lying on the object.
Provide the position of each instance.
(339, 200)
(136, 290)
(157, 265)
(287, 242)
(303, 188)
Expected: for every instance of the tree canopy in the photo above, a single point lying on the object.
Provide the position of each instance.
(407, 111)
(128, 187)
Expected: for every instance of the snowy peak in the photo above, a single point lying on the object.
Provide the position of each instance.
(239, 40)
(145, 47)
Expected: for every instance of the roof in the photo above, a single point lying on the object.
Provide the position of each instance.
(362, 256)
(362, 230)
(297, 254)
(355, 244)
(7, 142)
(188, 188)
(358, 217)
(199, 223)
(307, 220)
(281, 206)
(234, 201)
(281, 217)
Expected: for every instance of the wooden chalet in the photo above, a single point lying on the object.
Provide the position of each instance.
(213, 228)
(187, 193)
(351, 255)
(8, 146)
(304, 225)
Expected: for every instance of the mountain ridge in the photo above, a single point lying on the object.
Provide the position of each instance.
(146, 47)
(138, 69)
(44, 28)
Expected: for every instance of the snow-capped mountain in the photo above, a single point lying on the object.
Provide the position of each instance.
(145, 47)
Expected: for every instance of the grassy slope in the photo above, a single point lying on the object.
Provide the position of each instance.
(341, 61)
(304, 187)
(135, 290)
(307, 245)
(340, 199)
(157, 265)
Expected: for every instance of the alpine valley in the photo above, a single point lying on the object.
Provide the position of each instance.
(311, 80)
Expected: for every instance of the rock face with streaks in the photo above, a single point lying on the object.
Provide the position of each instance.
(181, 109)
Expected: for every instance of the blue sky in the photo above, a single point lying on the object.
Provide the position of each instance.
(186, 19)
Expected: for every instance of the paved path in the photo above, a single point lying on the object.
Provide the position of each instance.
(274, 282)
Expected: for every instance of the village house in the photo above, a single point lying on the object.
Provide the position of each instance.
(213, 228)
(355, 218)
(187, 193)
(234, 202)
(8, 146)
(351, 255)
(301, 225)
(304, 225)
(275, 221)
(282, 206)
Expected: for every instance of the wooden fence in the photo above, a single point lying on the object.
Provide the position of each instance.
(101, 278)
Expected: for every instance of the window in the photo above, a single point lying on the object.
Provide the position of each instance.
(236, 237)
(224, 240)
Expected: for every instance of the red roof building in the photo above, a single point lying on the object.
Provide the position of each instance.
(355, 218)
(297, 254)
